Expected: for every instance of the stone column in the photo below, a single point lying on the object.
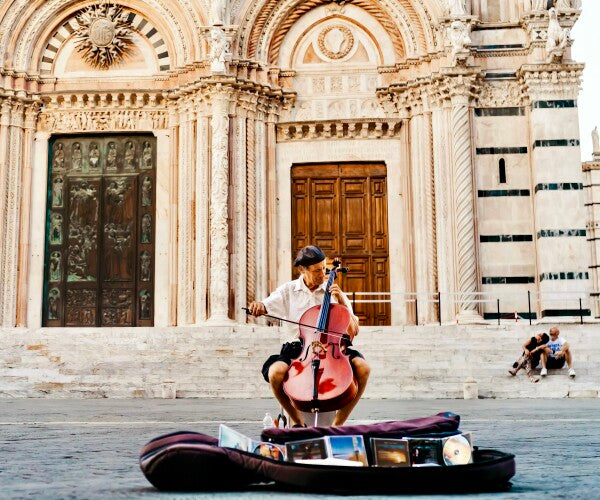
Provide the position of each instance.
(5, 111)
(444, 208)
(262, 289)
(270, 220)
(423, 224)
(202, 210)
(219, 227)
(165, 148)
(557, 189)
(37, 210)
(185, 223)
(240, 215)
(11, 217)
(24, 235)
(464, 209)
(251, 204)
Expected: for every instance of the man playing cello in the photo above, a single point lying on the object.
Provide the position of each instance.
(290, 301)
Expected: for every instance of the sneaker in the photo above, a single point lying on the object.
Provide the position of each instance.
(544, 372)
(512, 372)
(535, 380)
(571, 372)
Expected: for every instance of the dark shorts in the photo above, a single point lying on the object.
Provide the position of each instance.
(290, 351)
(555, 363)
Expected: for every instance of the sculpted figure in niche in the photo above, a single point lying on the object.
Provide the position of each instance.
(55, 266)
(144, 304)
(56, 229)
(57, 192)
(457, 8)
(53, 300)
(147, 155)
(111, 156)
(94, 155)
(145, 266)
(558, 38)
(129, 155)
(146, 229)
(58, 162)
(218, 12)
(146, 192)
(76, 157)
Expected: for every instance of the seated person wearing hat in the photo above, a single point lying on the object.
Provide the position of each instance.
(290, 301)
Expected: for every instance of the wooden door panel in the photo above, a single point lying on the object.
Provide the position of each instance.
(347, 209)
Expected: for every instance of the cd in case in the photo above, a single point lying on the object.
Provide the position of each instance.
(390, 452)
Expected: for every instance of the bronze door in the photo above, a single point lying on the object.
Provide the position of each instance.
(343, 209)
(100, 231)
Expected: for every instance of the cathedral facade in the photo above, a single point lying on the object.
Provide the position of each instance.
(162, 161)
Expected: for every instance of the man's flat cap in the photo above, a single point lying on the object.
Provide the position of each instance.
(308, 256)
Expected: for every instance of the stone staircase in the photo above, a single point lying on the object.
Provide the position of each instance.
(407, 362)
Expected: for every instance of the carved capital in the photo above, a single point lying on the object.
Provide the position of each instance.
(501, 94)
(551, 81)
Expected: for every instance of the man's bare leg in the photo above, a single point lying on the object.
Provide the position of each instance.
(569, 358)
(277, 372)
(361, 371)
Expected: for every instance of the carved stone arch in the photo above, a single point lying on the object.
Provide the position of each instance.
(139, 24)
(28, 25)
(410, 22)
(352, 19)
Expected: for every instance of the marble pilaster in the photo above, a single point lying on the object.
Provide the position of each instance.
(10, 235)
(240, 216)
(37, 239)
(202, 211)
(31, 113)
(185, 225)
(219, 224)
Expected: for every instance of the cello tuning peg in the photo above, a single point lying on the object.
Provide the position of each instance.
(342, 270)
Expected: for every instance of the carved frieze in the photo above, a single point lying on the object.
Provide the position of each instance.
(500, 95)
(338, 129)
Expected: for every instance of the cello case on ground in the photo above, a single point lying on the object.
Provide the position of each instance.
(190, 461)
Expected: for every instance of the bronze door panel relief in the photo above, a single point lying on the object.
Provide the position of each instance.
(99, 231)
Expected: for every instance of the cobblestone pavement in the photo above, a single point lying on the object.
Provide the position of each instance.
(89, 448)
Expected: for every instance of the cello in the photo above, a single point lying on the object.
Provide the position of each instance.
(321, 377)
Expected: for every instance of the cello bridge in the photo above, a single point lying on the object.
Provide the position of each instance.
(318, 348)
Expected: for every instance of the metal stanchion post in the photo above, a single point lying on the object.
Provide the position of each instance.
(498, 306)
(529, 304)
(580, 312)
(440, 307)
(416, 311)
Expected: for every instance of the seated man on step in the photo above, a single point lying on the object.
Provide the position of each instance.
(555, 354)
(290, 301)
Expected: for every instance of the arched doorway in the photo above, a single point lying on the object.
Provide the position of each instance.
(99, 259)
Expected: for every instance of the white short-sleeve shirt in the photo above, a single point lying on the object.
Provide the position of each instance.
(292, 299)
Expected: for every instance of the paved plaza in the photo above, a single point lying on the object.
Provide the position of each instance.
(89, 448)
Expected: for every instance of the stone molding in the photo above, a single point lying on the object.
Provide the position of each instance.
(550, 81)
(339, 129)
(98, 112)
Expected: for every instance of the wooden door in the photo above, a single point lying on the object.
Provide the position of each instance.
(100, 231)
(342, 208)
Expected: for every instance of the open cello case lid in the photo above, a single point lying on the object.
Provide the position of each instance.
(190, 461)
